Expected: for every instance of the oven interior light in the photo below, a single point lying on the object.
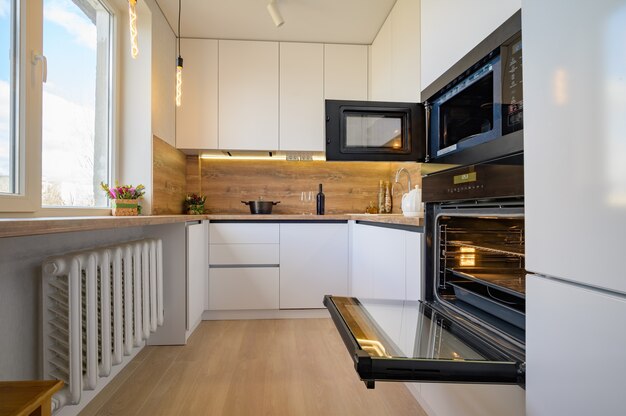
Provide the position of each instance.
(468, 257)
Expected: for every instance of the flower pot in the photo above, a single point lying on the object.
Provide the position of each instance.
(195, 209)
(124, 207)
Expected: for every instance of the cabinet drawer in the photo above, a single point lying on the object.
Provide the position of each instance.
(244, 233)
(243, 288)
(244, 254)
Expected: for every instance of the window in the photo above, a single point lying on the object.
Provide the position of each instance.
(76, 110)
(8, 134)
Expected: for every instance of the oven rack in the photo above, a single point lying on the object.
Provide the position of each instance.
(504, 280)
(517, 251)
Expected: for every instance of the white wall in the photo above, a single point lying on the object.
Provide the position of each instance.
(20, 282)
(451, 28)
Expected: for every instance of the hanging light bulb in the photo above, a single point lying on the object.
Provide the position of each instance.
(179, 67)
(132, 22)
(179, 81)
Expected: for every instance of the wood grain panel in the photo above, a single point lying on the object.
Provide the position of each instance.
(348, 186)
(260, 367)
(193, 175)
(168, 178)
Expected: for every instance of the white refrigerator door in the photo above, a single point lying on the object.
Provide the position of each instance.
(575, 350)
(575, 139)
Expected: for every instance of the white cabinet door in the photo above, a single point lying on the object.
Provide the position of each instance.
(575, 340)
(197, 272)
(378, 262)
(244, 233)
(313, 263)
(302, 97)
(345, 72)
(380, 64)
(413, 264)
(450, 29)
(248, 95)
(574, 146)
(196, 118)
(243, 288)
(395, 55)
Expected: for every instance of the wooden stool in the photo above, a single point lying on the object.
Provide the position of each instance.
(27, 398)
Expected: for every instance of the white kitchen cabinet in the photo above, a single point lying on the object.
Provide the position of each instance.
(243, 288)
(574, 152)
(244, 233)
(196, 118)
(451, 28)
(413, 264)
(575, 342)
(302, 97)
(395, 55)
(245, 254)
(313, 263)
(379, 263)
(380, 72)
(197, 271)
(345, 72)
(248, 95)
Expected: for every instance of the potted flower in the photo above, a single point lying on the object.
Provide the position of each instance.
(124, 198)
(194, 204)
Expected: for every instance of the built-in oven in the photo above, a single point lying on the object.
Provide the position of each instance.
(470, 326)
(472, 112)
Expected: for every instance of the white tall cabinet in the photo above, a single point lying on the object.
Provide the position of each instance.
(302, 96)
(313, 263)
(196, 118)
(248, 95)
(574, 150)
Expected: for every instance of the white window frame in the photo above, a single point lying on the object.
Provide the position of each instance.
(27, 200)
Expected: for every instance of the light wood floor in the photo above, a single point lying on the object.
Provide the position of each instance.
(260, 367)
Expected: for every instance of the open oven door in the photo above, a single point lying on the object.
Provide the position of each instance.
(392, 340)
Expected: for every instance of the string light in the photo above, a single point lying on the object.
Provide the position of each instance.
(132, 21)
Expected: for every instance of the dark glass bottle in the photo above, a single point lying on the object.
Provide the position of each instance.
(320, 201)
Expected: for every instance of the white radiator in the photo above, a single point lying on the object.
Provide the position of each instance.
(98, 306)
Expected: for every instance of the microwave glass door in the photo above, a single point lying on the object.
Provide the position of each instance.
(414, 341)
(375, 131)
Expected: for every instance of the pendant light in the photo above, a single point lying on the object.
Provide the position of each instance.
(132, 23)
(179, 67)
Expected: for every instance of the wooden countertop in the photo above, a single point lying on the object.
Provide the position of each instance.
(16, 227)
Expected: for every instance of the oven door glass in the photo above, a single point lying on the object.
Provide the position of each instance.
(366, 131)
(416, 341)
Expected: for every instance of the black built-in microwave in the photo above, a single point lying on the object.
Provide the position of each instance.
(472, 113)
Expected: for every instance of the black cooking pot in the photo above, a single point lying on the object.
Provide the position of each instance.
(260, 207)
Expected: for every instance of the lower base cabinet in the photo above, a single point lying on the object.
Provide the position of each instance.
(241, 288)
(313, 263)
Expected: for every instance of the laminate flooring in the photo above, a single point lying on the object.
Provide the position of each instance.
(253, 367)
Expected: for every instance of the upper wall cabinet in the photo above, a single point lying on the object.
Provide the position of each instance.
(302, 97)
(248, 95)
(452, 28)
(345, 72)
(395, 55)
(196, 118)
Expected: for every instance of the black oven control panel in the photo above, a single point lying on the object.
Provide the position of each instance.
(501, 178)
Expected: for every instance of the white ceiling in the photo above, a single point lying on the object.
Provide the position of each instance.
(324, 21)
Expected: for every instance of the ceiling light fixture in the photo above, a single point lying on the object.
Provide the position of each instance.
(179, 67)
(132, 23)
(272, 8)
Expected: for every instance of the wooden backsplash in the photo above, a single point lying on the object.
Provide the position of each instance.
(348, 186)
(168, 178)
